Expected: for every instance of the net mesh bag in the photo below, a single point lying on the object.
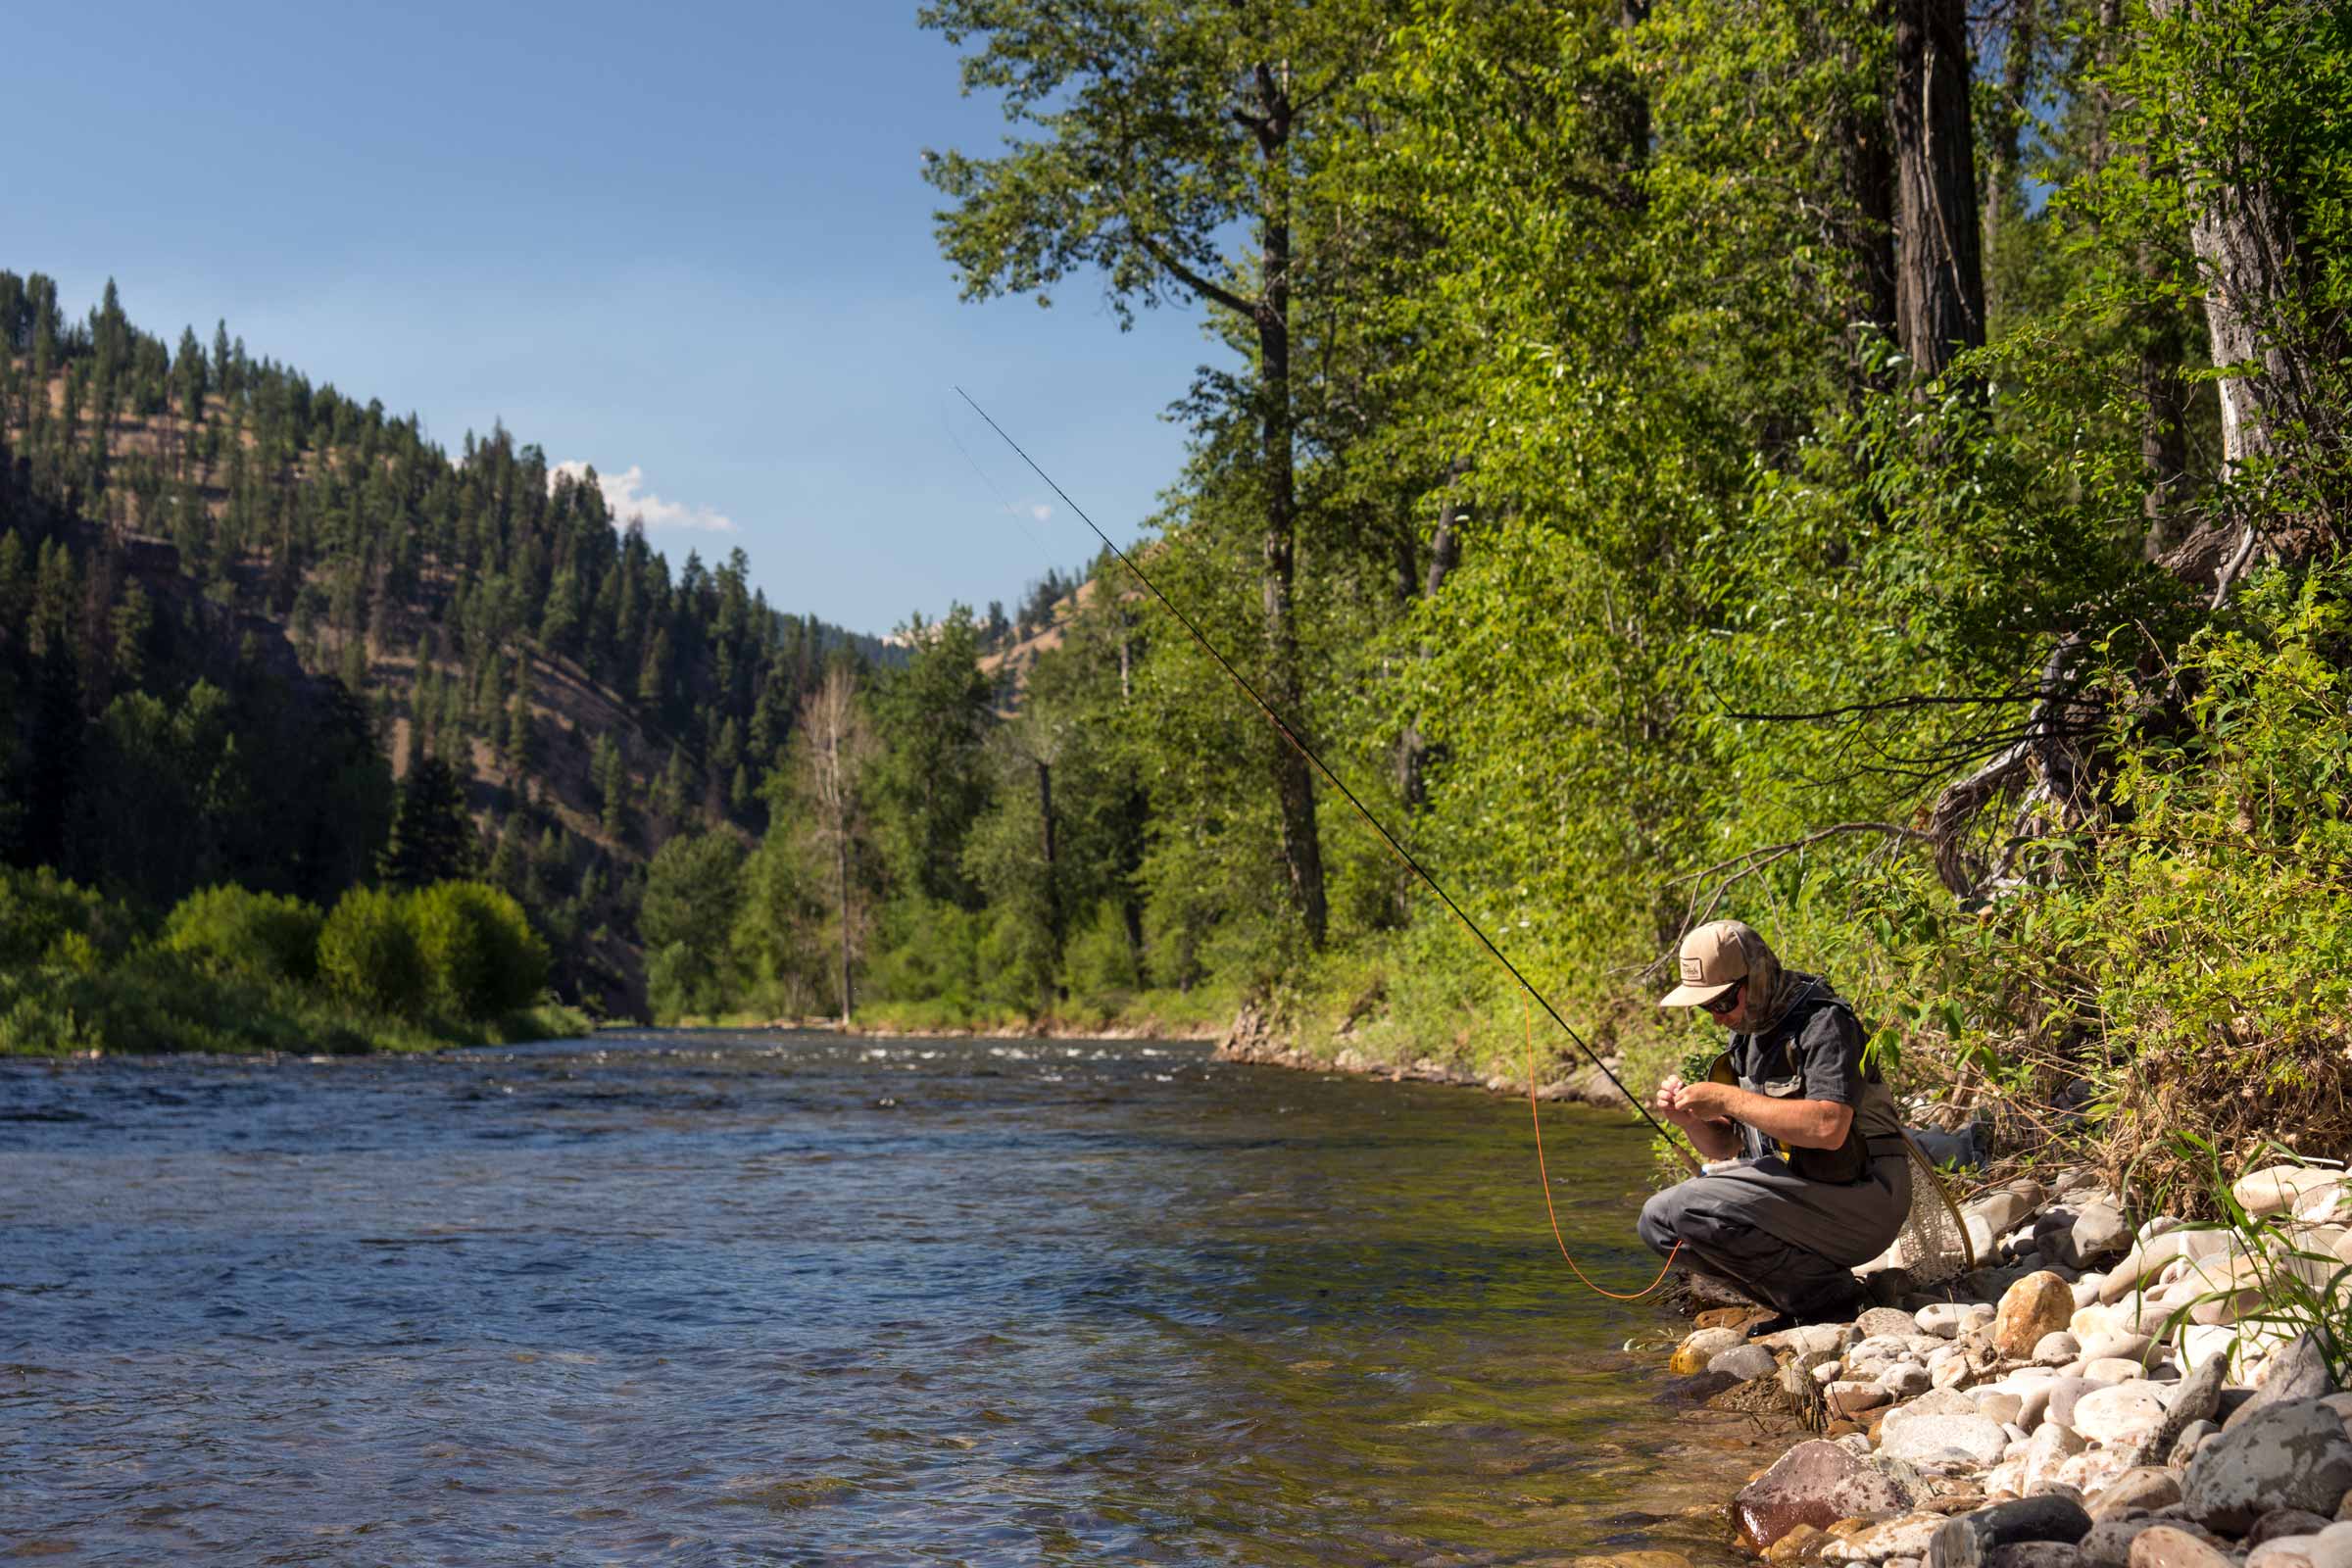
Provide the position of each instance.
(1932, 1245)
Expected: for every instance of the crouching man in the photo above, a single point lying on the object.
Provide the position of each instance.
(1807, 1171)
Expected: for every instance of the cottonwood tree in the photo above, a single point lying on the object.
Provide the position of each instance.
(1150, 134)
(836, 747)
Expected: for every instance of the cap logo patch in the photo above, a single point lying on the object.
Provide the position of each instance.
(1694, 970)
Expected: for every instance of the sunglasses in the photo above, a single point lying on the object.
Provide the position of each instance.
(1727, 1000)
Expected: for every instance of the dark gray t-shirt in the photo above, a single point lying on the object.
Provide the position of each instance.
(1814, 1054)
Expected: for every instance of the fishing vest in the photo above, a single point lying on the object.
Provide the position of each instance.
(1876, 1128)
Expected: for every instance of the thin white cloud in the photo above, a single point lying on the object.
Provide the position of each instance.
(627, 497)
(1039, 511)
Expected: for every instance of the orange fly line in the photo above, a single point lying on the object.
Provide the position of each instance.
(1534, 1115)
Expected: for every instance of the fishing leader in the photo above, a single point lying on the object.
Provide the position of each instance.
(1807, 1171)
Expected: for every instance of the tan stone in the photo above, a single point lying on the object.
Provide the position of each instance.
(2167, 1546)
(2039, 1304)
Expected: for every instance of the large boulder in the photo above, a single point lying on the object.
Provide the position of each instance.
(2041, 1303)
(2281, 1456)
(1815, 1483)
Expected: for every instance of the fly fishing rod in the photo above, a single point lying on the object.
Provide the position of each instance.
(1298, 743)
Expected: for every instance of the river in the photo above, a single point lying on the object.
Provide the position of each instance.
(712, 1298)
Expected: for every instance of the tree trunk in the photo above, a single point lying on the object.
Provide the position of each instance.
(2245, 258)
(1940, 274)
(841, 869)
(1301, 851)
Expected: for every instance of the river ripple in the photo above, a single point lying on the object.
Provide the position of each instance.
(755, 1297)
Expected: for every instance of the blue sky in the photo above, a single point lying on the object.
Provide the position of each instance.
(689, 241)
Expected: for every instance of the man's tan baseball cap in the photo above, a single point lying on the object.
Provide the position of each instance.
(1712, 963)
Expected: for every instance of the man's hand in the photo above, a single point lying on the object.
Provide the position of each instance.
(1684, 1106)
(1687, 1105)
(1708, 1102)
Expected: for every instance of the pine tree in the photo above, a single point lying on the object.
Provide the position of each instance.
(653, 678)
(510, 863)
(432, 835)
(612, 788)
(522, 739)
(132, 619)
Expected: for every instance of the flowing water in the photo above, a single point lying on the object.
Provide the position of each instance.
(721, 1297)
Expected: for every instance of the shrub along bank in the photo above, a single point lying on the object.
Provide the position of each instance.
(230, 969)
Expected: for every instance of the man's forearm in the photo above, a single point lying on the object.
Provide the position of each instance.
(1805, 1123)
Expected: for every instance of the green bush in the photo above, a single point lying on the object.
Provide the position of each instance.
(368, 950)
(479, 953)
(235, 930)
(45, 919)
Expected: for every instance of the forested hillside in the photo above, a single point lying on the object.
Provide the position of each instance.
(254, 632)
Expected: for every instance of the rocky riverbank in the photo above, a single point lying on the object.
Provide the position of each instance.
(2097, 1394)
(1250, 1040)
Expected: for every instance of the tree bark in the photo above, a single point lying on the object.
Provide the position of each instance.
(841, 860)
(1293, 785)
(1940, 274)
(2244, 246)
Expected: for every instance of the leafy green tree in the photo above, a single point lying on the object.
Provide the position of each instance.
(167, 785)
(693, 892)
(932, 716)
(368, 952)
(1162, 127)
(480, 954)
(237, 930)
